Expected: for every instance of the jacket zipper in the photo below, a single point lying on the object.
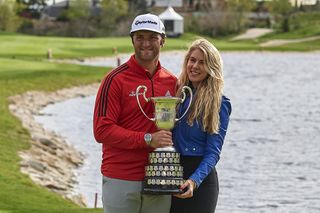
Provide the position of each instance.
(151, 85)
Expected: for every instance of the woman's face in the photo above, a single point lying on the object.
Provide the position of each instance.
(195, 68)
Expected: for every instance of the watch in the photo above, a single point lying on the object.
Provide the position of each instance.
(147, 138)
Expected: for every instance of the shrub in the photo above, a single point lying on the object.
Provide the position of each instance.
(9, 21)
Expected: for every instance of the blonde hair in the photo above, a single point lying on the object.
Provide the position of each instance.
(207, 100)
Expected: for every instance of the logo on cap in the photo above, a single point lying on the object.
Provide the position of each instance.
(145, 22)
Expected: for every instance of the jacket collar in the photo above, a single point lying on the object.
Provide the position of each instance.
(139, 69)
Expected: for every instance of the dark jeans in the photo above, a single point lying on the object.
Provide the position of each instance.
(204, 198)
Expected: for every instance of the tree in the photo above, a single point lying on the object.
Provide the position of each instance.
(9, 21)
(32, 8)
(78, 17)
(111, 14)
(137, 7)
(78, 10)
(237, 11)
(281, 10)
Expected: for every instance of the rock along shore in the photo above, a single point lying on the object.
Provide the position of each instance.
(50, 162)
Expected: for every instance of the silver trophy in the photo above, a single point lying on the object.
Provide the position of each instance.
(164, 174)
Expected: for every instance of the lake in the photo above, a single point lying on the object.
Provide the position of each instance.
(270, 159)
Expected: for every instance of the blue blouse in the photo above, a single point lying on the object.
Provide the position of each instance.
(193, 141)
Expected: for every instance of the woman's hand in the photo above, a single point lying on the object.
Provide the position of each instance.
(188, 188)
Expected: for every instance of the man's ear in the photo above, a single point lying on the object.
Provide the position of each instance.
(162, 42)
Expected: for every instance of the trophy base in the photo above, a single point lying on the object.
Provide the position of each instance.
(163, 190)
(164, 174)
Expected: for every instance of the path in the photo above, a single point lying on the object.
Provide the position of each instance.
(253, 33)
(279, 42)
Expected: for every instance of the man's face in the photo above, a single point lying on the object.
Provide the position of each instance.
(147, 45)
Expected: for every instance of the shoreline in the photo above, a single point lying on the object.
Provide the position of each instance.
(51, 161)
(113, 58)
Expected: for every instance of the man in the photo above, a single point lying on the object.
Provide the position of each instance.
(127, 136)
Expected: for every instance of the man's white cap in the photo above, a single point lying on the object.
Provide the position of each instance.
(148, 22)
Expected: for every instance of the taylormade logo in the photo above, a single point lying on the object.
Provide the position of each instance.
(145, 22)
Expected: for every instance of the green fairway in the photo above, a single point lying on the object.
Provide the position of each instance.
(15, 46)
(36, 47)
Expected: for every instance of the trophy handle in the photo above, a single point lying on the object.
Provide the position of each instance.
(183, 99)
(145, 98)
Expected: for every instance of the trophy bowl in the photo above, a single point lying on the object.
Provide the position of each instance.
(165, 111)
(164, 174)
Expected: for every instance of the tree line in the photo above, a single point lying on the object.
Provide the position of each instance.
(80, 18)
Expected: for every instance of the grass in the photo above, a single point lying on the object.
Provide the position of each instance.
(18, 193)
(15, 46)
(34, 47)
(23, 67)
(302, 25)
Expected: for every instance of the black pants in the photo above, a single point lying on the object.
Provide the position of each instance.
(204, 198)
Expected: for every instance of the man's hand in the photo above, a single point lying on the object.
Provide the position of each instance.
(162, 138)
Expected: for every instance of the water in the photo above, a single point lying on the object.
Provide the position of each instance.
(269, 162)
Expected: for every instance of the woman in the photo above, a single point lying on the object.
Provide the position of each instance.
(198, 137)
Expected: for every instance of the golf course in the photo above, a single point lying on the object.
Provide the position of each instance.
(24, 66)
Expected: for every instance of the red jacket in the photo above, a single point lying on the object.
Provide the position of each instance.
(118, 122)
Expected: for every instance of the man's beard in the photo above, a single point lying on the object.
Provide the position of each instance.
(147, 55)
